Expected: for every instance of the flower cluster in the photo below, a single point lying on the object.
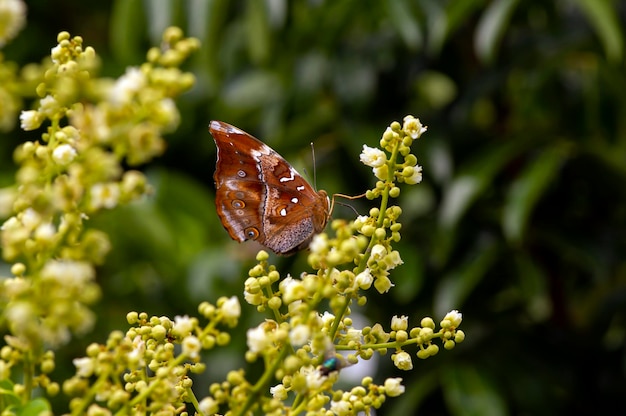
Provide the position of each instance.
(298, 344)
(92, 128)
(144, 368)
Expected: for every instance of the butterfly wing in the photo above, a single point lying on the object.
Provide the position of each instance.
(260, 196)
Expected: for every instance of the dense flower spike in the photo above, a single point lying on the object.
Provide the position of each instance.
(92, 128)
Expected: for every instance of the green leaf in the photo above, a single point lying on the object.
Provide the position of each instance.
(491, 28)
(36, 407)
(405, 22)
(526, 191)
(127, 31)
(469, 392)
(603, 16)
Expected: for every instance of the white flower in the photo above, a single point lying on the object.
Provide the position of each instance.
(84, 366)
(191, 346)
(292, 290)
(67, 272)
(299, 335)
(183, 325)
(455, 317)
(381, 172)
(45, 232)
(208, 406)
(393, 387)
(319, 243)
(378, 252)
(104, 195)
(364, 279)
(393, 259)
(30, 218)
(416, 177)
(314, 378)
(231, 309)
(49, 106)
(413, 127)
(328, 319)
(63, 154)
(30, 120)
(341, 408)
(127, 86)
(402, 360)
(257, 339)
(399, 323)
(12, 19)
(353, 334)
(279, 392)
(372, 157)
(253, 298)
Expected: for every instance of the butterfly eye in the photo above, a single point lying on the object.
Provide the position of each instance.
(252, 233)
(238, 204)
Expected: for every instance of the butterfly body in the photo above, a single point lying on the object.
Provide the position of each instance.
(260, 196)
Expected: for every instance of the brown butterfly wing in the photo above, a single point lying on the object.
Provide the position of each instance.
(259, 196)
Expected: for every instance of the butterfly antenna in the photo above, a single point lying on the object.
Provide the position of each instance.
(314, 166)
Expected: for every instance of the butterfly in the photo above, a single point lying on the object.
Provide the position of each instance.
(261, 197)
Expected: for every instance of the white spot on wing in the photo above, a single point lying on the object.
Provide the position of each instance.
(294, 200)
(283, 212)
(291, 177)
(300, 188)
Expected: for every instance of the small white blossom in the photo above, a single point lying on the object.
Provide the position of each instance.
(378, 252)
(413, 127)
(49, 106)
(292, 290)
(455, 317)
(353, 334)
(257, 339)
(12, 19)
(68, 273)
(341, 408)
(183, 325)
(328, 319)
(104, 195)
(393, 259)
(299, 335)
(399, 323)
(63, 154)
(253, 298)
(279, 392)
(127, 86)
(231, 309)
(191, 346)
(45, 232)
(30, 120)
(136, 356)
(416, 177)
(402, 360)
(393, 387)
(364, 279)
(373, 157)
(314, 378)
(30, 218)
(84, 366)
(319, 243)
(208, 406)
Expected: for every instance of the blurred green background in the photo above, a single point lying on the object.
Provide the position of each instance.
(520, 222)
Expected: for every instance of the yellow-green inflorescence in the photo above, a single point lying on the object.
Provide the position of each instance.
(298, 343)
(91, 128)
